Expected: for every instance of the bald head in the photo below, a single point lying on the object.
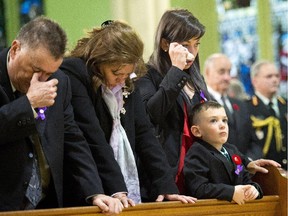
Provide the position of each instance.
(217, 69)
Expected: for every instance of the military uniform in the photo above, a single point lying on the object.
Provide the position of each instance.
(271, 130)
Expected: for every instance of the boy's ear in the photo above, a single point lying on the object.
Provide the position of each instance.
(195, 131)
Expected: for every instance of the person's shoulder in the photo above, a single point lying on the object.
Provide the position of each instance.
(198, 147)
(253, 101)
(152, 72)
(75, 67)
(59, 74)
(151, 76)
(282, 100)
(69, 62)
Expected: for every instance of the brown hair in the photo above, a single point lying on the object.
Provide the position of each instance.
(178, 25)
(202, 106)
(114, 43)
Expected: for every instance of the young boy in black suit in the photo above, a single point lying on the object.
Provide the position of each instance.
(212, 170)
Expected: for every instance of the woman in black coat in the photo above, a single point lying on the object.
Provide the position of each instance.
(174, 84)
(100, 68)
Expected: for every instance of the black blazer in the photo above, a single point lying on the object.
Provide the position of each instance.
(164, 104)
(258, 109)
(90, 110)
(208, 174)
(61, 140)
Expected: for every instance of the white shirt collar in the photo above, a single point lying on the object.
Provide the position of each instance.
(215, 94)
(265, 100)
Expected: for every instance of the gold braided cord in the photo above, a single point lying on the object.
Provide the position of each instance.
(272, 123)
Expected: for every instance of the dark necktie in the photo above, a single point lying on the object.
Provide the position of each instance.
(225, 153)
(227, 110)
(40, 174)
(271, 110)
(34, 189)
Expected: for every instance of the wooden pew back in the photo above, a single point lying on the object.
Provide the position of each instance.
(274, 203)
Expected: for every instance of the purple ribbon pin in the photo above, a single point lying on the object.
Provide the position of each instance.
(202, 95)
(41, 113)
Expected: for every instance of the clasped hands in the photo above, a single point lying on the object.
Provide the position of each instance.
(243, 193)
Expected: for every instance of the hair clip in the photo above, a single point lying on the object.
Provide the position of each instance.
(133, 76)
(106, 23)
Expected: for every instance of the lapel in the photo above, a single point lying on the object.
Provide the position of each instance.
(236, 114)
(236, 179)
(218, 155)
(180, 101)
(262, 109)
(40, 124)
(228, 166)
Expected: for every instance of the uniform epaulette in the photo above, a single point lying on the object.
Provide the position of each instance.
(254, 100)
(281, 100)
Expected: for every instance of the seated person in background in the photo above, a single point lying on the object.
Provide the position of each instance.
(236, 90)
(210, 169)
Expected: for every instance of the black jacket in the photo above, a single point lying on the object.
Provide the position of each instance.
(208, 174)
(61, 140)
(90, 110)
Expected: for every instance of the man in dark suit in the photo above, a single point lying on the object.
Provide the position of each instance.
(39, 136)
(268, 112)
(217, 76)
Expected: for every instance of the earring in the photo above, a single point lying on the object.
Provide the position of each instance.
(165, 50)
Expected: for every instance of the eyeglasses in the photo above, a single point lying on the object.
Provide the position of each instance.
(106, 23)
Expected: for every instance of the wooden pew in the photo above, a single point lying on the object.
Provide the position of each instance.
(274, 183)
(274, 203)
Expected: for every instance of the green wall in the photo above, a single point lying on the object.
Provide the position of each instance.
(11, 10)
(77, 16)
(265, 30)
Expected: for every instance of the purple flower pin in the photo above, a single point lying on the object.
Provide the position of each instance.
(41, 113)
(238, 169)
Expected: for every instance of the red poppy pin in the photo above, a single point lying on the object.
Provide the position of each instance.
(235, 107)
(237, 160)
